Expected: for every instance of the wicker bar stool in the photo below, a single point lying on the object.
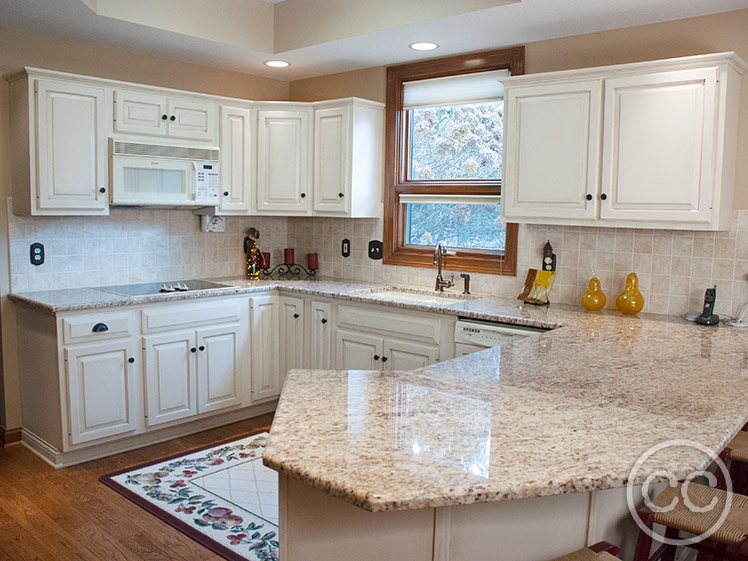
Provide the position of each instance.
(736, 452)
(728, 542)
(601, 551)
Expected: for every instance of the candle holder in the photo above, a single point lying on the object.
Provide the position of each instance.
(294, 270)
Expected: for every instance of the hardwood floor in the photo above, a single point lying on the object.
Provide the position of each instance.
(66, 514)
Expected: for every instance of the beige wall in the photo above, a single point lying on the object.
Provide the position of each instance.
(708, 34)
(23, 49)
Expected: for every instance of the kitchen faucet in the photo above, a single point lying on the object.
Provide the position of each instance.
(441, 284)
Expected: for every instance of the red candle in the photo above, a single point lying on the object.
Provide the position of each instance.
(312, 261)
(265, 260)
(288, 256)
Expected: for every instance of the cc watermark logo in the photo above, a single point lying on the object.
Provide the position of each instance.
(663, 475)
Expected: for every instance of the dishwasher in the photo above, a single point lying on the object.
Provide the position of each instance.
(475, 335)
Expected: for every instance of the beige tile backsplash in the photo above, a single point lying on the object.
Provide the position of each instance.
(142, 245)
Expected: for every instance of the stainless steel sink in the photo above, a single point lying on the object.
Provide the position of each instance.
(416, 296)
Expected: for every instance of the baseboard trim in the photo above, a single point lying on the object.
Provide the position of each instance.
(9, 436)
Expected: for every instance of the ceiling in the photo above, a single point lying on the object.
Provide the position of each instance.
(320, 37)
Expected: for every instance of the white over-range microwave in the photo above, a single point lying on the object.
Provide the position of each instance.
(157, 175)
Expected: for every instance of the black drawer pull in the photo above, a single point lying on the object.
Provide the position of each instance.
(164, 117)
(603, 196)
(341, 195)
(100, 328)
(131, 360)
(324, 320)
(384, 359)
(376, 357)
(172, 118)
(589, 197)
(303, 195)
(201, 348)
(193, 350)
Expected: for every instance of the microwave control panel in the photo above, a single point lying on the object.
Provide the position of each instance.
(207, 183)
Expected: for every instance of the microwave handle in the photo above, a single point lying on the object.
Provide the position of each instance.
(194, 180)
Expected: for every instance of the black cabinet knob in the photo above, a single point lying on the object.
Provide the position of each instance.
(130, 360)
(225, 193)
(164, 117)
(296, 316)
(100, 328)
(376, 357)
(193, 350)
(303, 195)
(201, 347)
(589, 197)
(172, 118)
(384, 359)
(324, 320)
(102, 190)
(341, 195)
(603, 196)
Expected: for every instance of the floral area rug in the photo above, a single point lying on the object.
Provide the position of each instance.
(222, 497)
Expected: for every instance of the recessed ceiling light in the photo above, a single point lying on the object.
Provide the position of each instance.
(277, 63)
(424, 46)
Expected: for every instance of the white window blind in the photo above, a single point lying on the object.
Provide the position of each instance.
(466, 88)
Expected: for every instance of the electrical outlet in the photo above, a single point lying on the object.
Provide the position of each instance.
(36, 253)
(375, 249)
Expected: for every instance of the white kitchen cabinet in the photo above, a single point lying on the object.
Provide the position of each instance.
(101, 389)
(218, 367)
(291, 327)
(266, 376)
(404, 355)
(666, 132)
(348, 152)
(59, 163)
(320, 335)
(358, 351)
(236, 160)
(151, 114)
(284, 160)
(170, 375)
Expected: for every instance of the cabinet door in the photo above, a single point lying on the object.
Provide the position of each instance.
(291, 319)
(357, 351)
(657, 146)
(101, 389)
(139, 113)
(283, 162)
(552, 139)
(235, 160)
(404, 355)
(332, 159)
(266, 380)
(193, 120)
(170, 377)
(218, 369)
(71, 136)
(320, 339)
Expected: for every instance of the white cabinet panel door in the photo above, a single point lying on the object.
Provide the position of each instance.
(71, 136)
(357, 351)
(284, 162)
(332, 159)
(551, 165)
(140, 113)
(193, 120)
(291, 319)
(219, 380)
(170, 377)
(657, 146)
(404, 355)
(321, 336)
(266, 379)
(236, 159)
(101, 389)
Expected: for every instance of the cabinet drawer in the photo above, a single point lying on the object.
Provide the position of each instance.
(97, 326)
(163, 318)
(411, 326)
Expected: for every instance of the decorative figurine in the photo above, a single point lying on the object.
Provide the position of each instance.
(252, 249)
(630, 302)
(594, 299)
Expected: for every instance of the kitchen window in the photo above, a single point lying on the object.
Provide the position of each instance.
(443, 162)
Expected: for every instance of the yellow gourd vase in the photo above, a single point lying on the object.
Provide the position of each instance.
(630, 302)
(594, 299)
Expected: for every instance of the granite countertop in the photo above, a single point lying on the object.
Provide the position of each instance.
(567, 411)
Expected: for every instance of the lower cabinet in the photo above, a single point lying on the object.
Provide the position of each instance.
(364, 351)
(101, 389)
(320, 335)
(291, 322)
(219, 380)
(265, 376)
(404, 355)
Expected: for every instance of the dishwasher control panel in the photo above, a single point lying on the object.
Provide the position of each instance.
(491, 335)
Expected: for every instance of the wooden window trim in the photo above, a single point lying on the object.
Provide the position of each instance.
(395, 182)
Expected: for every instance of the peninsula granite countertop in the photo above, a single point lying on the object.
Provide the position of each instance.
(567, 411)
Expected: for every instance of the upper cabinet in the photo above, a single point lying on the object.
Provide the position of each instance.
(236, 160)
(59, 161)
(146, 114)
(323, 159)
(638, 145)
